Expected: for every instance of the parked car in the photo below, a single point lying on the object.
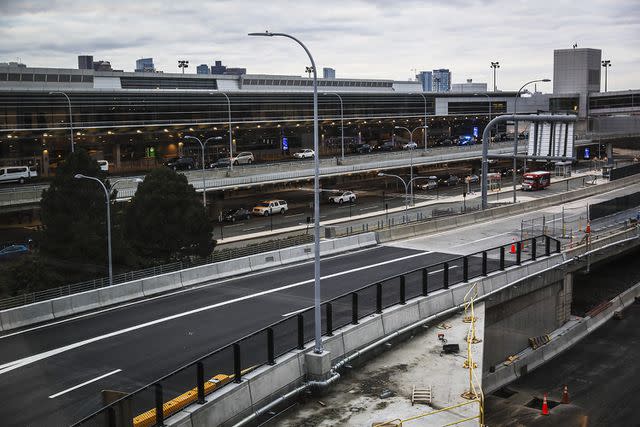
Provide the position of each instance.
(474, 179)
(13, 251)
(363, 148)
(451, 181)
(222, 162)
(233, 215)
(270, 207)
(409, 146)
(306, 153)
(347, 196)
(431, 184)
(386, 146)
(19, 174)
(243, 158)
(104, 165)
(180, 163)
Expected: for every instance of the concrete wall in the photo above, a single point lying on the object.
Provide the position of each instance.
(510, 324)
(561, 340)
(90, 300)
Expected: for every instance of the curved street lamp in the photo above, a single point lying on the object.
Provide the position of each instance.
(203, 145)
(316, 193)
(70, 116)
(515, 132)
(341, 121)
(411, 150)
(108, 200)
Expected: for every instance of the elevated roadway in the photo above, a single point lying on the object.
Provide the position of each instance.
(55, 371)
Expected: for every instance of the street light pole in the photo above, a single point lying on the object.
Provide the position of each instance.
(341, 121)
(406, 188)
(230, 132)
(425, 119)
(411, 150)
(316, 193)
(70, 116)
(204, 185)
(106, 194)
(515, 132)
(495, 66)
(606, 64)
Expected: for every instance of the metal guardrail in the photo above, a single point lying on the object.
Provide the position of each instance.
(266, 345)
(216, 256)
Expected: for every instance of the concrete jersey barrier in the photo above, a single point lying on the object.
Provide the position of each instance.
(104, 297)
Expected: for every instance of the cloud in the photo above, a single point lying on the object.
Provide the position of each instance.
(359, 38)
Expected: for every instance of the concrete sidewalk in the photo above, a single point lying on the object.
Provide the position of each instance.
(381, 389)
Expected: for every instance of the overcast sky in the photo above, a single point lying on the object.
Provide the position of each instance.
(367, 39)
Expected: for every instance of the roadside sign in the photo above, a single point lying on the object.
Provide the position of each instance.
(285, 143)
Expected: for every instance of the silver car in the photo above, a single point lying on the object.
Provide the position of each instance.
(243, 158)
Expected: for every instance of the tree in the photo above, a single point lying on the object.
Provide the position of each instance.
(73, 213)
(166, 220)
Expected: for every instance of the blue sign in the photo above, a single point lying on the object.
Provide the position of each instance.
(475, 131)
(587, 152)
(285, 143)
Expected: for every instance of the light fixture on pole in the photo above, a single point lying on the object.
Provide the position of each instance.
(316, 193)
(606, 64)
(495, 66)
(183, 64)
(488, 99)
(406, 188)
(204, 185)
(341, 122)
(108, 200)
(230, 128)
(515, 132)
(70, 116)
(411, 150)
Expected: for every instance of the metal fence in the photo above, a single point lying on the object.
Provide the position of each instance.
(189, 383)
(216, 256)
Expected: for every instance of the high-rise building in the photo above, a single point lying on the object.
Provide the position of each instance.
(85, 62)
(145, 65)
(426, 79)
(328, 73)
(441, 80)
(218, 68)
(202, 69)
(576, 70)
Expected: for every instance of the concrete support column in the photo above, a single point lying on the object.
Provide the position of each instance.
(610, 154)
(318, 365)
(565, 296)
(116, 155)
(44, 163)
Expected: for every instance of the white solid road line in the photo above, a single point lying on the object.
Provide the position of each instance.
(53, 396)
(307, 308)
(44, 355)
(485, 238)
(181, 291)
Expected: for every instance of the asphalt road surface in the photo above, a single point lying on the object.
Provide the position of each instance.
(127, 347)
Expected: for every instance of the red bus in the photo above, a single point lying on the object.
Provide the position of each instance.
(536, 180)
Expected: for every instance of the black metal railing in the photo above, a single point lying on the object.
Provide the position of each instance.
(266, 345)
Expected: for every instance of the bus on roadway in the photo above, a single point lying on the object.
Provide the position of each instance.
(536, 180)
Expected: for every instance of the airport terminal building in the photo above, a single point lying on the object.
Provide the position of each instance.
(136, 120)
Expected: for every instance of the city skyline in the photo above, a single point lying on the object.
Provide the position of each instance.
(421, 35)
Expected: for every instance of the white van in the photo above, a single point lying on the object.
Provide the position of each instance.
(104, 165)
(19, 174)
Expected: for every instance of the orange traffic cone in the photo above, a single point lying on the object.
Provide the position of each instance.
(545, 406)
(565, 395)
(513, 247)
